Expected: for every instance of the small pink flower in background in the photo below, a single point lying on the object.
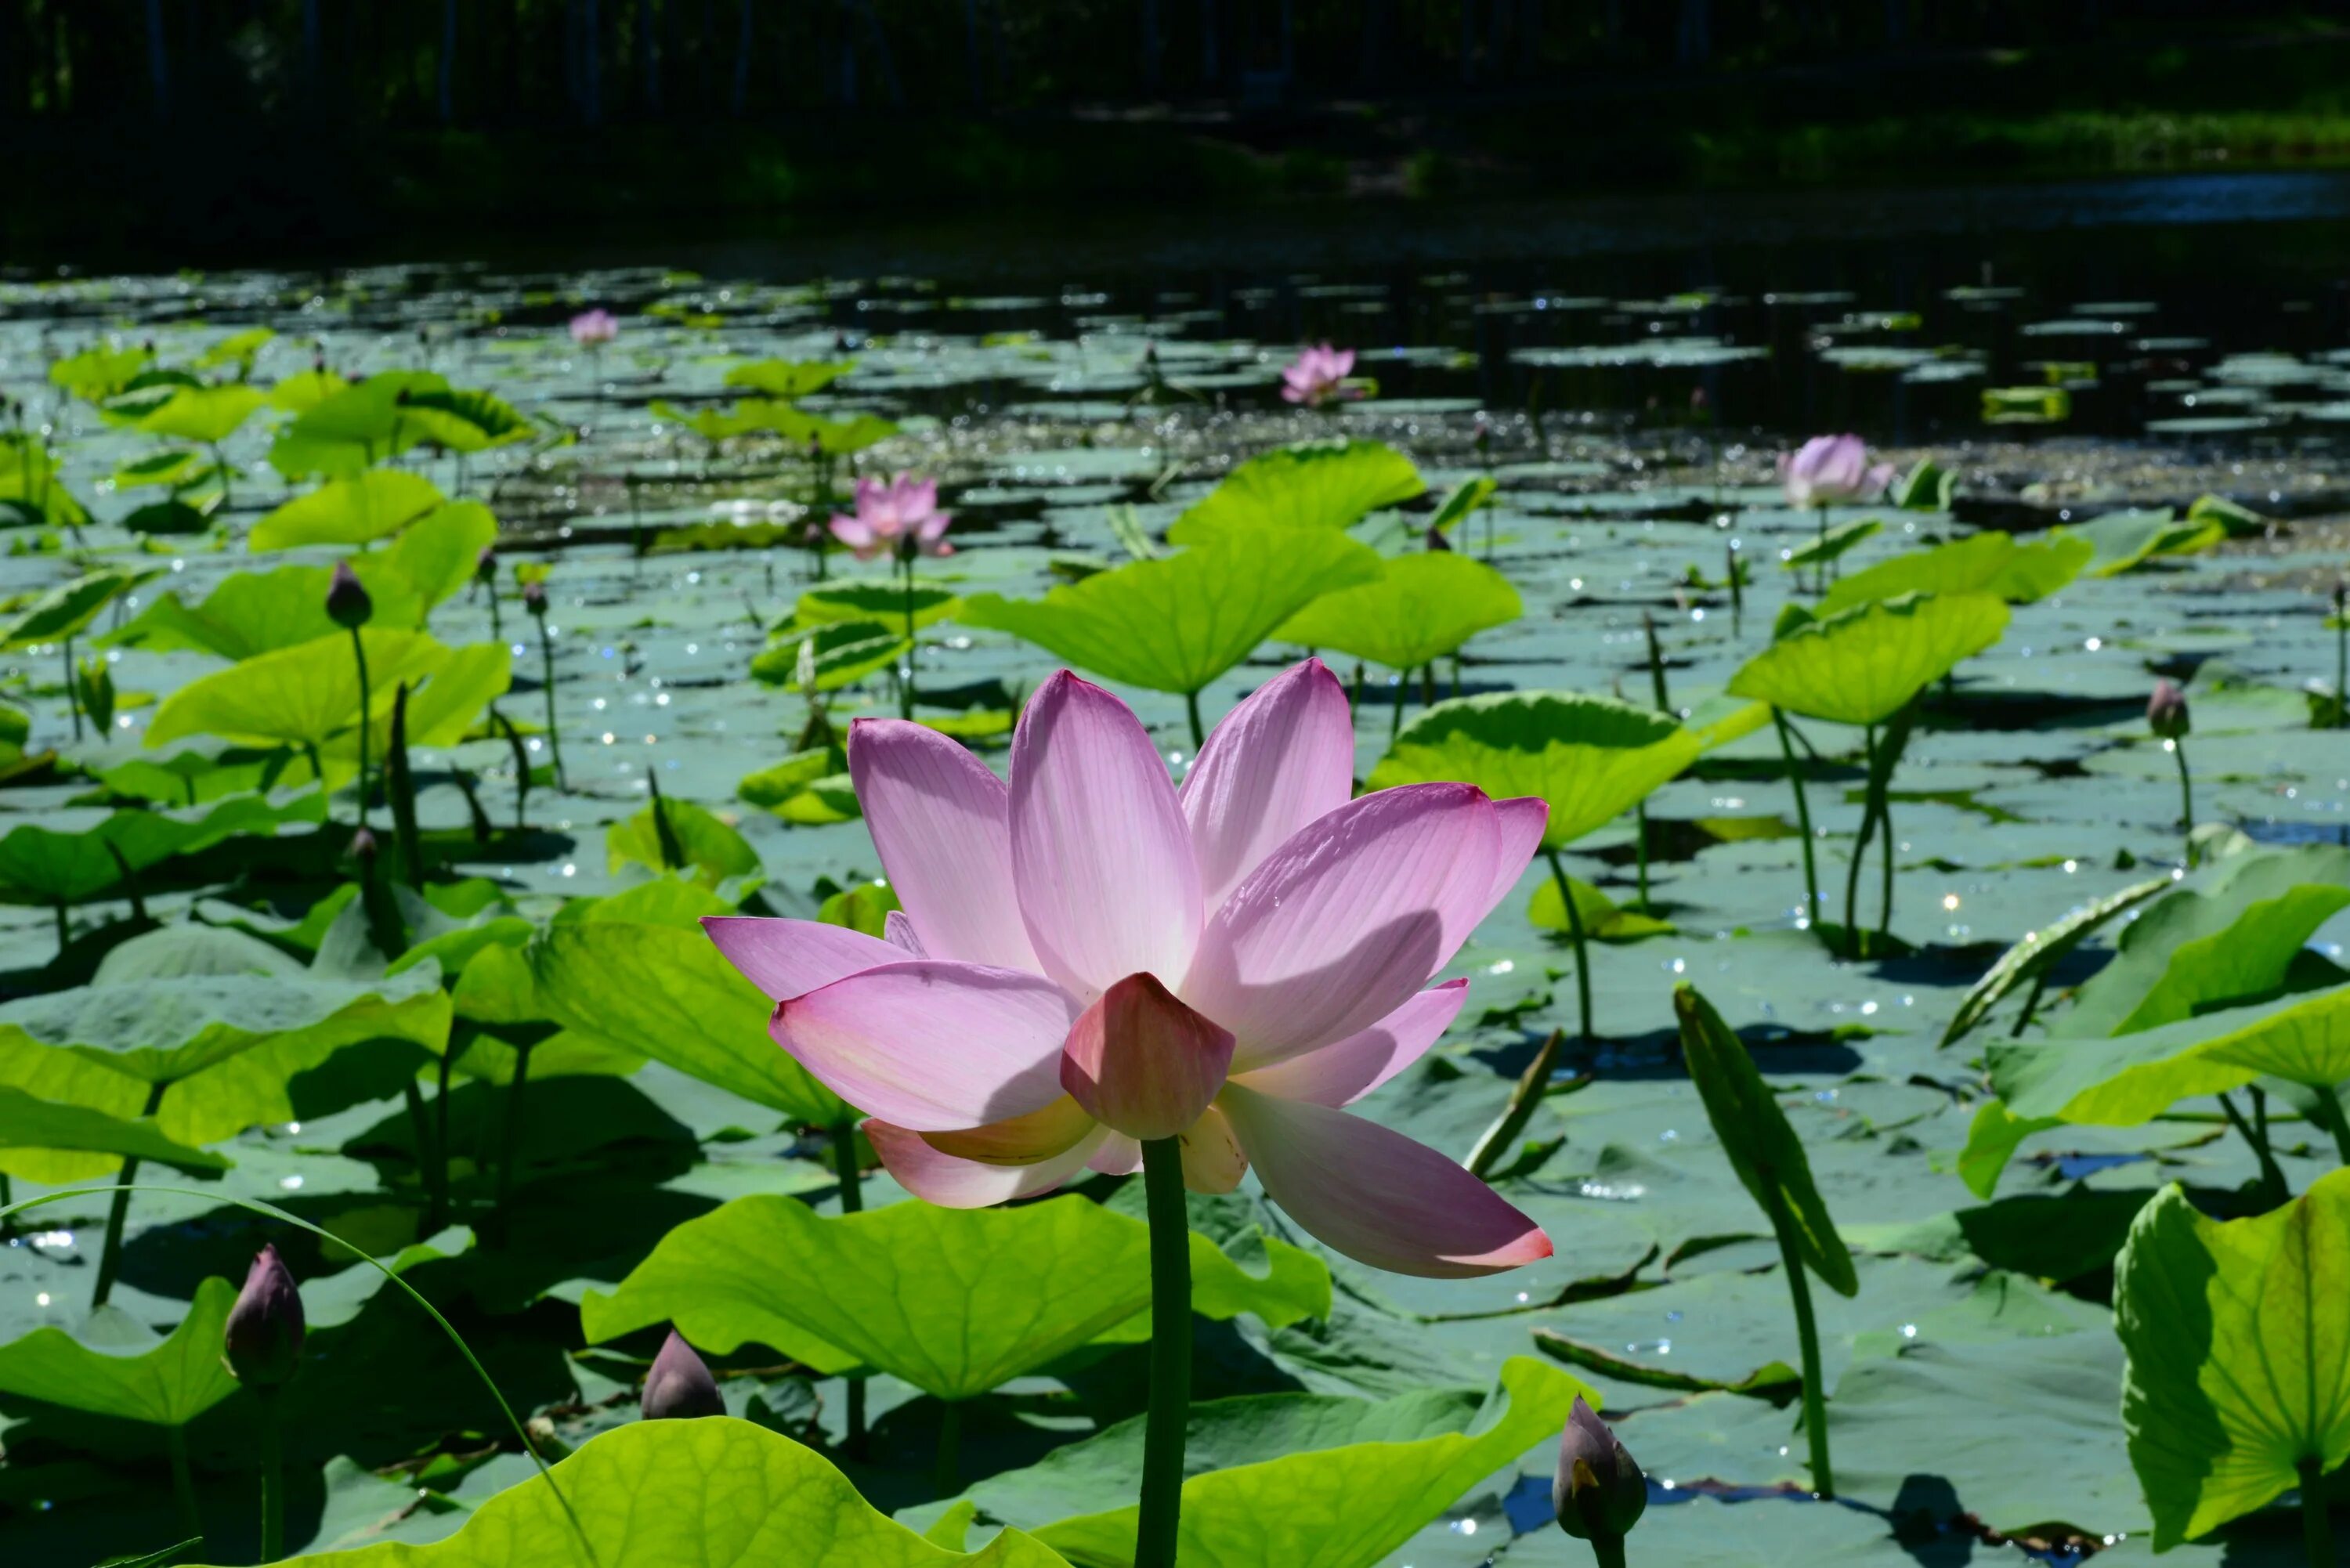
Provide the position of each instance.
(1830, 469)
(1088, 955)
(900, 514)
(593, 328)
(1318, 375)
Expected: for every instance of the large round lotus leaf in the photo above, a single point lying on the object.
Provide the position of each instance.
(1987, 563)
(1592, 758)
(786, 377)
(1860, 667)
(207, 414)
(1312, 484)
(355, 511)
(886, 603)
(295, 696)
(118, 1367)
(66, 609)
(2238, 1354)
(1423, 607)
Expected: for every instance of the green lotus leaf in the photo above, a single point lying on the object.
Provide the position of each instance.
(350, 427)
(1316, 485)
(207, 414)
(1423, 607)
(167, 517)
(1176, 623)
(2031, 957)
(30, 491)
(1592, 758)
(236, 349)
(143, 394)
(833, 437)
(1468, 496)
(881, 602)
(2124, 541)
(297, 696)
(788, 378)
(27, 1123)
(1601, 918)
(66, 609)
(441, 711)
(712, 425)
(2238, 1354)
(955, 1300)
(433, 557)
(1832, 545)
(664, 992)
(354, 511)
(1762, 1148)
(1928, 487)
(46, 865)
(94, 372)
(844, 652)
(464, 420)
(120, 1368)
(711, 847)
(1986, 563)
(664, 1494)
(175, 467)
(1338, 1507)
(304, 390)
(1864, 665)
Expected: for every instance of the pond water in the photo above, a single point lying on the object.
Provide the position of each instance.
(1625, 373)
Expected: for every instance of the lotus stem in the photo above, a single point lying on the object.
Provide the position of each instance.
(497, 628)
(906, 687)
(437, 1214)
(948, 1471)
(1820, 567)
(1854, 946)
(1608, 1551)
(1532, 1085)
(2317, 1523)
(367, 720)
(1803, 819)
(1656, 666)
(554, 735)
(522, 767)
(2273, 1182)
(2185, 801)
(401, 787)
(219, 467)
(1807, 1335)
(1885, 864)
(852, 1201)
(2031, 1001)
(1641, 849)
(110, 1256)
(513, 1151)
(273, 1477)
(184, 1483)
(1171, 1355)
(2330, 1114)
(73, 691)
(1395, 722)
(1200, 731)
(64, 927)
(1574, 929)
(431, 1168)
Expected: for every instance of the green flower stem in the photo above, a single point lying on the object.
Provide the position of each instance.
(1803, 819)
(513, 1151)
(1200, 731)
(110, 1256)
(906, 687)
(184, 1483)
(1854, 947)
(1574, 929)
(367, 720)
(1641, 849)
(554, 735)
(1885, 861)
(431, 1165)
(1170, 1353)
(2031, 1001)
(1820, 567)
(2273, 1182)
(73, 692)
(852, 1201)
(1807, 1333)
(2185, 801)
(273, 1477)
(220, 468)
(400, 785)
(946, 1475)
(2330, 1117)
(1395, 724)
(2317, 1523)
(1608, 1551)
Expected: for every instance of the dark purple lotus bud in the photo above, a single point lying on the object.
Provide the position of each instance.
(363, 846)
(2166, 710)
(485, 565)
(1436, 541)
(533, 596)
(679, 1386)
(264, 1338)
(347, 604)
(1600, 1493)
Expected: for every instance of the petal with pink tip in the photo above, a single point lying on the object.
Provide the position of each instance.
(941, 822)
(933, 1046)
(950, 1182)
(1141, 1061)
(1281, 758)
(791, 958)
(1342, 1073)
(1100, 855)
(1522, 818)
(1376, 1195)
(1347, 919)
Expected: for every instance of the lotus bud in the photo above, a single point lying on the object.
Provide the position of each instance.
(1142, 1063)
(2166, 710)
(486, 567)
(679, 1386)
(264, 1336)
(1437, 542)
(1600, 1493)
(533, 597)
(347, 604)
(363, 846)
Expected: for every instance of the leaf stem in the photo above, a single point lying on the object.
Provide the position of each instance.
(367, 720)
(73, 691)
(1574, 929)
(947, 1471)
(554, 735)
(273, 1477)
(1200, 731)
(513, 1151)
(2330, 1114)
(1807, 1333)
(109, 1257)
(1170, 1353)
(852, 1201)
(1641, 849)
(2317, 1522)
(906, 687)
(2272, 1178)
(1803, 819)
(183, 1482)
(2185, 801)
(1854, 948)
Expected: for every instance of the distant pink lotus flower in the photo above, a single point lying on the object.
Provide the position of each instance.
(1318, 375)
(1831, 470)
(1088, 957)
(593, 328)
(899, 515)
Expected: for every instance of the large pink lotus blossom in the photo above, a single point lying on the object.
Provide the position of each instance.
(1088, 957)
(900, 515)
(593, 328)
(1830, 469)
(1318, 375)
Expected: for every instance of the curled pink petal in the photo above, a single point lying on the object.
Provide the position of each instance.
(929, 1046)
(1283, 758)
(1376, 1194)
(1345, 1071)
(942, 822)
(1107, 883)
(952, 1182)
(1347, 919)
(1142, 1063)
(791, 958)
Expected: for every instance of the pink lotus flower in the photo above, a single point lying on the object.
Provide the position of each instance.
(1830, 469)
(1318, 375)
(902, 515)
(593, 328)
(1088, 957)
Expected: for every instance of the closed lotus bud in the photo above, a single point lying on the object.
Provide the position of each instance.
(679, 1386)
(1600, 1493)
(363, 845)
(347, 604)
(533, 596)
(2166, 710)
(485, 565)
(264, 1338)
